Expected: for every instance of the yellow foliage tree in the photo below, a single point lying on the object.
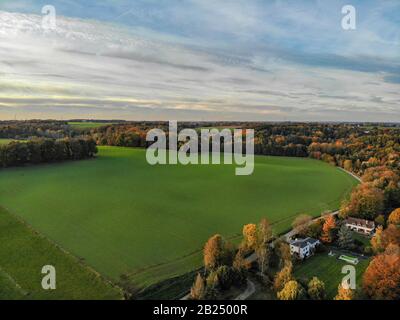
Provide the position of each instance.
(283, 277)
(292, 291)
(344, 294)
(250, 236)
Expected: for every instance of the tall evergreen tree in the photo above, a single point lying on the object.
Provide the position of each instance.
(345, 238)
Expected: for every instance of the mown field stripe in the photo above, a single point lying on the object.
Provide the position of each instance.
(23, 252)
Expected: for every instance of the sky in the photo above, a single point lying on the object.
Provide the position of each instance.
(200, 60)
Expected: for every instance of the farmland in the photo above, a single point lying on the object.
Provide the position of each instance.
(120, 215)
(88, 124)
(23, 253)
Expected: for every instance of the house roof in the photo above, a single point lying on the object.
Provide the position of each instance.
(361, 222)
(312, 240)
(302, 243)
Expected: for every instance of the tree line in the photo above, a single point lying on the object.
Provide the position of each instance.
(354, 147)
(41, 150)
(36, 128)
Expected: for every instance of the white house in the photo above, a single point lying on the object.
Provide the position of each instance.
(303, 248)
(360, 225)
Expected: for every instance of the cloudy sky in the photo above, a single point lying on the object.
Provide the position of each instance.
(200, 60)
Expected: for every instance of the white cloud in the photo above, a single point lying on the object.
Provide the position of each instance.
(98, 70)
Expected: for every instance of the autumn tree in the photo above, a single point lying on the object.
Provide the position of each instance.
(301, 223)
(380, 220)
(344, 294)
(240, 267)
(316, 289)
(387, 180)
(239, 262)
(282, 277)
(265, 231)
(348, 165)
(345, 238)
(292, 291)
(198, 290)
(384, 237)
(282, 250)
(222, 279)
(391, 235)
(381, 280)
(365, 202)
(328, 229)
(217, 252)
(225, 277)
(263, 251)
(393, 249)
(250, 236)
(314, 229)
(394, 217)
(376, 240)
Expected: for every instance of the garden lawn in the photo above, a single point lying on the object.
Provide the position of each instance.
(329, 270)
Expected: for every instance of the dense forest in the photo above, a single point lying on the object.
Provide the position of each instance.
(42, 150)
(35, 128)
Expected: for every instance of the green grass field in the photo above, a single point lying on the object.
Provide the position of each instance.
(5, 141)
(329, 270)
(121, 215)
(88, 125)
(23, 253)
(366, 241)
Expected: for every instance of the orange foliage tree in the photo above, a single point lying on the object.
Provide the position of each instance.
(365, 202)
(327, 229)
(381, 280)
(216, 252)
(394, 217)
(383, 238)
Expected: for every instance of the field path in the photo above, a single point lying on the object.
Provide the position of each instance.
(251, 288)
(352, 174)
